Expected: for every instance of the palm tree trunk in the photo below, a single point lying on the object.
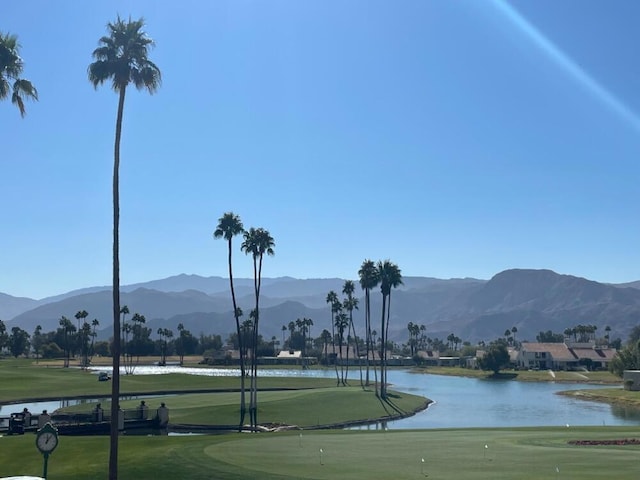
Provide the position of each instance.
(243, 406)
(333, 346)
(383, 350)
(367, 333)
(346, 373)
(386, 336)
(357, 349)
(254, 359)
(115, 376)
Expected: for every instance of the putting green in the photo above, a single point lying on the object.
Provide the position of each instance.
(468, 454)
(515, 454)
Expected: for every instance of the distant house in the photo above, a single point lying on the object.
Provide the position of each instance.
(564, 356)
(289, 355)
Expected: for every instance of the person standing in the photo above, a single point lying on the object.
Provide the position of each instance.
(43, 419)
(143, 410)
(163, 416)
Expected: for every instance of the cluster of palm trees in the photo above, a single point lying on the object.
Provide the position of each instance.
(417, 338)
(582, 333)
(164, 334)
(257, 242)
(299, 333)
(341, 321)
(388, 276)
(510, 335)
(77, 338)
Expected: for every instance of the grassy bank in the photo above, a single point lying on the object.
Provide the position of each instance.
(513, 454)
(615, 396)
(303, 408)
(529, 375)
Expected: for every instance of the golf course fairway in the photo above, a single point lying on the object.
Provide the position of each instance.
(522, 453)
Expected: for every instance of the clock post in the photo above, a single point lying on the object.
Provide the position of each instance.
(46, 441)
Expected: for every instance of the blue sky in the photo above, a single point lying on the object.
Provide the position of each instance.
(457, 139)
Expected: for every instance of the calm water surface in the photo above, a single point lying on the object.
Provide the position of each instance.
(459, 402)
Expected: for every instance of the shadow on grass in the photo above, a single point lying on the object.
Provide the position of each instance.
(389, 406)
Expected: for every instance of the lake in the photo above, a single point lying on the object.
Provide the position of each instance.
(458, 402)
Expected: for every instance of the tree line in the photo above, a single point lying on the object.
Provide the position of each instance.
(69, 341)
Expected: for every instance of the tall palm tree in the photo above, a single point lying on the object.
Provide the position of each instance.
(122, 57)
(257, 242)
(326, 336)
(350, 304)
(308, 323)
(81, 315)
(342, 323)
(94, 324)
(67, 328)
(10, 70)
(369, 279)
(336, 306)
(390, 277)
(230, 225)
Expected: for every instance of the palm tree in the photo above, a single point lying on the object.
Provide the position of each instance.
(450, 339)
(161, 335)
(36, 342)
(122, 57)
(94, 324)
(124, 311)
(369, 279)
(308, 323)
(350, 304)
(292, 329)
(332, 300)
(82, 337)
(230, 225)
(10, 70)
(326, 337)
(257, 242)
(67, 328)
(390, 277)
(341, 322)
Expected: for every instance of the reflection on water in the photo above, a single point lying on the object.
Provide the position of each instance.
(626, 412)
(458, 402)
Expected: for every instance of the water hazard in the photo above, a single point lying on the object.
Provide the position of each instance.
(458, 402)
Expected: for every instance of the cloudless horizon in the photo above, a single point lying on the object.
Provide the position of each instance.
(457, 139)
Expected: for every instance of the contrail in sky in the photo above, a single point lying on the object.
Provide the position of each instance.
(568, 64)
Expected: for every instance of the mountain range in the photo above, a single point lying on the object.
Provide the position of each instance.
(472, 309)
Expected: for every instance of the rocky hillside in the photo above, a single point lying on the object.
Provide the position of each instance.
(531, 300)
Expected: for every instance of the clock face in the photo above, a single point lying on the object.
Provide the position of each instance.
(47, 441)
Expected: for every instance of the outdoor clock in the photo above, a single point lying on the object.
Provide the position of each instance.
(47, 439)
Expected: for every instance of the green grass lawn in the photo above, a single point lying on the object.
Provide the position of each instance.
(520, 453)
(24, 379)
(511, 454)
